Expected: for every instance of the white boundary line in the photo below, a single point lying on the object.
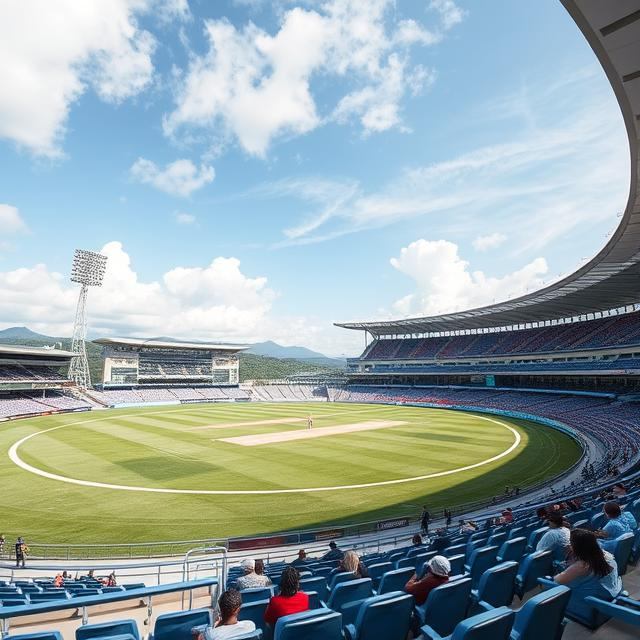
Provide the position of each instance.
(15, 458)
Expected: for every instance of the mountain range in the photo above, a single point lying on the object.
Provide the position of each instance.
(268, 349)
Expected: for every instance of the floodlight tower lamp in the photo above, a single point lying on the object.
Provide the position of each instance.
(87, 270)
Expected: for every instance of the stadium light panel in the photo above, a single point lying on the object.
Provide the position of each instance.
(88, 268)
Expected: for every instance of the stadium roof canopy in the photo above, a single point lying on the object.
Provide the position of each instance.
(611, 280)
(15, 350)
(170, 344)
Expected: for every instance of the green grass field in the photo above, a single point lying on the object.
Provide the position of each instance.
(167, 448)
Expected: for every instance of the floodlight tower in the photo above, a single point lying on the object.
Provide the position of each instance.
(88, 271)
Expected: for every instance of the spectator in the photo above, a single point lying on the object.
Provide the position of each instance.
(425, 519)
(21, 551)
(438, 570)
(2, 542)
(251, 579)
(557, 539)
(260, 567)
(227, 625)
(619, 490)
(57, 581)
(630, 518)
(441, 541)
(593, 573)
(334, 552)
(507, 515)
(290, 600)
(615, 527)
(301, 560)
(351, 562)
(416, 541)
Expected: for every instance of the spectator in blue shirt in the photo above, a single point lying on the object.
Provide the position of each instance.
(629, 517)
(615, 527)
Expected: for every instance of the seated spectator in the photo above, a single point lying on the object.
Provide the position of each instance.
(619, 490)
(416, 541)
(441, 541)
(251, 579)
(351, 562)
(630, 518)
(438, 570)
(290, 600)
(301, 560)
(110, 580)
(334, 553)
(507, 515)
(593, 572)
(227, 625)
(557, 539)
(469, 527)
(616, 525)
(57, 581)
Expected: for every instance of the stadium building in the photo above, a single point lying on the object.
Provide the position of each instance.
(129, 362)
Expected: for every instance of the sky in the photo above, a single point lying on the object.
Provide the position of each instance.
(259, 170)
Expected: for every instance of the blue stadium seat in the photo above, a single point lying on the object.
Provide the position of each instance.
(515, 532)
(341, 576)
(314, 600)
(457, 564)
(256, 593)
(387, 616)
(490, 625)
(497, 539)
(621, 608)
(254, 611)
(14, 601)
(635, 551)
(445, 606)
(455, 550)
(319, 624)
(344, 592)
(376, 571)
(323, 571)
(533, 566)
(46, 596)
(108, 629)
(512, 550)
(178, 625)
(534, 538)
(622, 548)
(394, 580)
(496, 587)
(45, 635)
(481, 559)
(317, 584)
(542, 616)
(598, 520)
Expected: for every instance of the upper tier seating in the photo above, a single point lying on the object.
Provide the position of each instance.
(616, 331)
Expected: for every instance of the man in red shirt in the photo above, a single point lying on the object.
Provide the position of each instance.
(437, 573)
(290, 600)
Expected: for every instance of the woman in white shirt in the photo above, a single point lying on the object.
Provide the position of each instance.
(593, 572)
(227, 625)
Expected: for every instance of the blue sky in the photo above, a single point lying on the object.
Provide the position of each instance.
(258, 170)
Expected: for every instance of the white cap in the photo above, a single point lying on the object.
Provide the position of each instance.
(439, 566)
(248, 564)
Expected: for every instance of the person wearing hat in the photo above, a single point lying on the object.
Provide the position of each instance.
(437, 573)
(251, 579)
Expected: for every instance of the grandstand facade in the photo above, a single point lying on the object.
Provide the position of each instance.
(131, 363)
(33, 381)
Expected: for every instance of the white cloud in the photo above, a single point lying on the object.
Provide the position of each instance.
(50, 52)
(490, 241)
(255, 86)
(179, 178)
(10, 220)
(444, 282)
(450, 13)
(535, 185)
(184, 218)
(214, 301)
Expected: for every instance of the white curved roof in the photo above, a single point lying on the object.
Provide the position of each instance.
(612, 278)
